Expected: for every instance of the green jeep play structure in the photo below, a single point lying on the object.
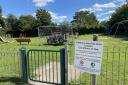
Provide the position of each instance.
(53, 34)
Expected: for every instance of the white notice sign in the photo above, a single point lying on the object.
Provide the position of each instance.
(88, 56)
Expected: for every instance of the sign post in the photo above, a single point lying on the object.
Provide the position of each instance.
(94, 82)
(88, 57)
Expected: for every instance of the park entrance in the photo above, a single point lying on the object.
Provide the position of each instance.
(46, 66)
(13, 64)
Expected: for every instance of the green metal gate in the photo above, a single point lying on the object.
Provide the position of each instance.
(46, 66)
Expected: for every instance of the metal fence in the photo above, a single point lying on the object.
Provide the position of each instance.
(114, 68)
(9, 62)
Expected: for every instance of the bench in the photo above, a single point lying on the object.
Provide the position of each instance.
(20, 40)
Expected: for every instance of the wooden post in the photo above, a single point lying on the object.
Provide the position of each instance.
(95, 38)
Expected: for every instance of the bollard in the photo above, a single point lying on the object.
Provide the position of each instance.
(95, 37)
(23, 63)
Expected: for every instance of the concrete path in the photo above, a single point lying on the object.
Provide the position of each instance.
(52, 73)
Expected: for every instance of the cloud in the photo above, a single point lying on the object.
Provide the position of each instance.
(104, 18)
(107, 5)
(105, 13)
(111, 7)
(56, 18)
(34, 14)
(42, 3)
(4, 16)
(100, 7)
(119, 2)
(86, 9)
(91, 9)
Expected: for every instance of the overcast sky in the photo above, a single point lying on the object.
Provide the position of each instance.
(61, 10)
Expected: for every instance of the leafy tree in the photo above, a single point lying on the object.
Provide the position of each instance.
(0, 11)
(91, 21)
(119, 15)
(11, 21)
(43, 17)
(66, 27)
(26, 22)
(103, 24)
(2, 23)
(80, 18)
(84, 20)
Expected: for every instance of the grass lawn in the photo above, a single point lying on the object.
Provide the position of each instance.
(9, 63)
(114, 62)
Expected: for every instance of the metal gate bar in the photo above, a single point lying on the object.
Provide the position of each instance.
(46, 66)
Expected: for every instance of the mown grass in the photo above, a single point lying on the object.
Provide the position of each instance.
(113, 66)
(10, 60)
(114, 62)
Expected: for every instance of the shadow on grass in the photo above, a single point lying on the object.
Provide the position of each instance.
(125, 38)
(54, 44)
(41, 45)
(15, 80)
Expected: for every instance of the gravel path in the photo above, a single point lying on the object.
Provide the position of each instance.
(41, 72)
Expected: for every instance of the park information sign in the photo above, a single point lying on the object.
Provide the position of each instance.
(88, 56)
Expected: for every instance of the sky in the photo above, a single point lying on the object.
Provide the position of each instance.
(61, 10)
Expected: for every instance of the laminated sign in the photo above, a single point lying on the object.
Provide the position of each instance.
(88, 56)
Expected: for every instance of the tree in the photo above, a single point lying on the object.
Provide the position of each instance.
(103, 24)
(84, 20)
(80, 18)
(66, 27)
(11, 21)
(26, 22)
(2, 23)
(119, 15)
(43, 17)
(0, 11)
(91, 21)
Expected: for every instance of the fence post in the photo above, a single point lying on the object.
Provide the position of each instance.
(23, 63)
(66, 65)
(95, 38)
(62, 60)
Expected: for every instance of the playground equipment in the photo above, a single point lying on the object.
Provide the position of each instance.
(20, 40)
(2, 40)
(53, 34)
(118, 24)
